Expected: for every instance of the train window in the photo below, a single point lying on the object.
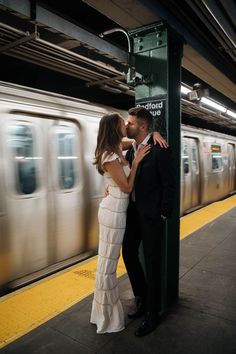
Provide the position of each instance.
(216, 158)
(216, 162)
(66, 158)
(185, 158)
(20, 141)
(194, 156)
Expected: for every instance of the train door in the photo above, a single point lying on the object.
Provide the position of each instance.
(26, 200)
(94, 182)
(231, 167)
(67, 193)
(195, 173)
(190, 174)
(186, 176)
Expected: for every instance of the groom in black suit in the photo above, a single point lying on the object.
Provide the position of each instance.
(150, 205)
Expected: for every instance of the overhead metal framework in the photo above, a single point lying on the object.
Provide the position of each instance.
(31, 48)
(63, 30)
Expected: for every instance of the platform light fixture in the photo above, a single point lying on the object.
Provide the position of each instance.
(213, 104)
(208, 102)
(184, 90)
(231, 113)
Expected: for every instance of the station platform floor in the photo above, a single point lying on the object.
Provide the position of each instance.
(203, 321)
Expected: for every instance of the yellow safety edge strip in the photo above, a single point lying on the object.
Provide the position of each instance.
(201, 217)
(27, 308)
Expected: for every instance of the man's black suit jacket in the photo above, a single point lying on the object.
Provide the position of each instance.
(154, 182)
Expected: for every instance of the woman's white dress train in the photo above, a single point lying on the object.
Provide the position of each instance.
(107, 311)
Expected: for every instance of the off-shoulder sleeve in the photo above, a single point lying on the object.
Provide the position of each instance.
(108, 157)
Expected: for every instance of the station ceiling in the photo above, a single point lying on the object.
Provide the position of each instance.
(60, 43)
(208, 28)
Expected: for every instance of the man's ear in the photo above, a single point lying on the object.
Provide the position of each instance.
(143, 127)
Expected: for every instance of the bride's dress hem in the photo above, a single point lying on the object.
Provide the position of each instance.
(108, 331)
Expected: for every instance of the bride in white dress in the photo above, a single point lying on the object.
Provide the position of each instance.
(107, 312)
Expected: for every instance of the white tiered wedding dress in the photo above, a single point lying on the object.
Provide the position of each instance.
(107, 311)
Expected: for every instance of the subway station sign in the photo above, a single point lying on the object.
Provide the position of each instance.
(157, 108)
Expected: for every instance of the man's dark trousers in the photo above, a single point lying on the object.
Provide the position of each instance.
(150, 231)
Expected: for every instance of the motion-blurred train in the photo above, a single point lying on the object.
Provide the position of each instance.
(50, 190)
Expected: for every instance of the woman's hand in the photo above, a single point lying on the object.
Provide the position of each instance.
(158, 139)
(141, 153)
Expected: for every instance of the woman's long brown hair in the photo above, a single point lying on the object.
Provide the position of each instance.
(109, 138)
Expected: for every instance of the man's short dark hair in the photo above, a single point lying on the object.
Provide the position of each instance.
(142, 114)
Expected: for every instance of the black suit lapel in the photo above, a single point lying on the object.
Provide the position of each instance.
(130, 156)
(140, 166)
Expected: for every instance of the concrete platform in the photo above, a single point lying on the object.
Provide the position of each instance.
(203, 321)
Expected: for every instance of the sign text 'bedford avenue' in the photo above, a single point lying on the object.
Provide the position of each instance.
(155, 107)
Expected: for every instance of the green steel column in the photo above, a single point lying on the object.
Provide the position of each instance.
(156, 57)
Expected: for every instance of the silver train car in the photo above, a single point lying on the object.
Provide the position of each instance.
(50, 190)
(208, 167)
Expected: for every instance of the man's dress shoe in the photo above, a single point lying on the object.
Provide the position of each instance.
(148, 325)
(139, 309)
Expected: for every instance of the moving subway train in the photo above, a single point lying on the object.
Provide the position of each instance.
(49, 189)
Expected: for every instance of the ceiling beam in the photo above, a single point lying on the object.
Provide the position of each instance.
(204, 70)
(129, 14)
